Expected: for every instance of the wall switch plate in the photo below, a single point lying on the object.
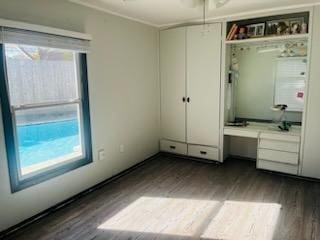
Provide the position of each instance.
(121, 148)
(101, 154)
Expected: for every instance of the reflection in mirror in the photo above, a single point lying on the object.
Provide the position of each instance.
(265, 75)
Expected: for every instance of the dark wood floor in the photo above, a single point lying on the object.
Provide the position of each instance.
(170, 198)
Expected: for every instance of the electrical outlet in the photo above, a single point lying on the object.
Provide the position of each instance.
(121, 148)
(101, 154)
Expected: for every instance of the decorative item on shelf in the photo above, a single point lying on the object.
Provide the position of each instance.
(281, 27)
(286, 26)
(242, 34)
(256, 30)
(284, 125)
(295, 28)
(304, 28)
(296, 25)
(232, 32)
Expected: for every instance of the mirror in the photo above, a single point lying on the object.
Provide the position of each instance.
(264, 75)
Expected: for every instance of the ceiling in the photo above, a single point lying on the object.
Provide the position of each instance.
(163, 13)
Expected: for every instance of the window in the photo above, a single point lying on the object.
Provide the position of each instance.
(45, 110)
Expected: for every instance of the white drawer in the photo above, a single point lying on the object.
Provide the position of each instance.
(279, 145)
(203, 152)
(280, 137)
(173, 147)
(277, 167)
(278, 156)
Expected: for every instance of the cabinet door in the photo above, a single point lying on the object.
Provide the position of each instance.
(311, 151)
(173, 81)
(203, 84)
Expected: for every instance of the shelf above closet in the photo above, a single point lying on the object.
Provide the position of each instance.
(269, 39)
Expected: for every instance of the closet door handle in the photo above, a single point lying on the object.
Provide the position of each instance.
(188, 99)
(184, 99)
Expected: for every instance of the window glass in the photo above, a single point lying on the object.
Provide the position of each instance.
(48, 136)
(40, 75)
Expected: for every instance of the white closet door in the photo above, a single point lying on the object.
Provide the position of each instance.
(203, 84)
(311, 151)
(173, 84)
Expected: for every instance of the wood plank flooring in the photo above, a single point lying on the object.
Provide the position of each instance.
(170, 198)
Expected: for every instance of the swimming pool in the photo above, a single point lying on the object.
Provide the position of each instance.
(46, 141)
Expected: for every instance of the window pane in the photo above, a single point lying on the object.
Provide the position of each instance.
(38, 75)
(48, 136)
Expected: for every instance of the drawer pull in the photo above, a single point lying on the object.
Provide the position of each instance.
(203, 152)
(172, 147)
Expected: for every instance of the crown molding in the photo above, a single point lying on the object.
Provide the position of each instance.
(244, 15)
(115, 13)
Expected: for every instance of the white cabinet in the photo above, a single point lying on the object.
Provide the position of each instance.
(203, 84)
(279, 156)
(173, 84)
(279, 152)
(311, 151)
(199, 151)
(277, 167)
(173, 147)
(190, 87)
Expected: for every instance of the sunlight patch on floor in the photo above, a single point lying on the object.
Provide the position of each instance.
(232, 220)
(172, 216)
(244, 220)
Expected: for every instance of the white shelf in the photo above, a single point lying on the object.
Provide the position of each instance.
(269, 39)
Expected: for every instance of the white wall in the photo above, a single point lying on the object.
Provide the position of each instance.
(124, 101)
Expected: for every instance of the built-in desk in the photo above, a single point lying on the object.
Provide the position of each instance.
(254, 129)
(277, 150)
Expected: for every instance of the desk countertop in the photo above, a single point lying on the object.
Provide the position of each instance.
(254, 128)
